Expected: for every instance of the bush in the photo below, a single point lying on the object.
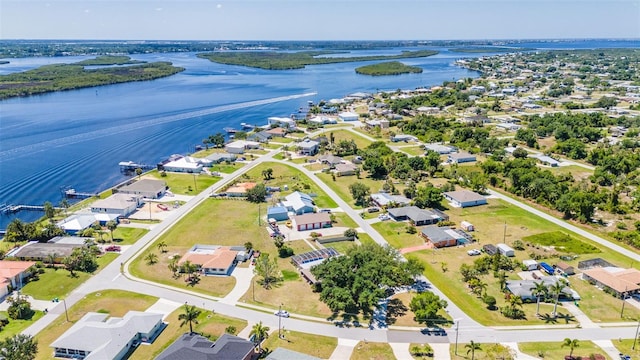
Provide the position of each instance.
(20, 308)
(411, 229)
(285, 252)
(518, 245)
(490, 301)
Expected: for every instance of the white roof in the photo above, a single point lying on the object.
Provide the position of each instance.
(106, 338)
(241, 144)
(116, 201)
(77, 222)
(186, 162)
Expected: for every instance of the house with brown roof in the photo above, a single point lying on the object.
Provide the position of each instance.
(278, 131)
(345, 169)
(240, 189)
(13, 275)
(565, 268)
(212, 259)
(311, 221)
(620, 282)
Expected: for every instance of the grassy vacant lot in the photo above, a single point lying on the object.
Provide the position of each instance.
(208, 324)
(340, 135)
(184, 184)
(554, 350)
(341, 185)
(413, 150)
(227, 168)
(286, 175)
(113, 302)
(372, 351)
(341, 246)
(16, 326)
(126, 235)
(625, 345)
(450, 282)
(345, 220)
(578, 172)
(561, 242)
(59, 283)
(310, 344)
(396, 234)
(486, 352)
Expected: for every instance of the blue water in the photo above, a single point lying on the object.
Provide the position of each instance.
(76, 138)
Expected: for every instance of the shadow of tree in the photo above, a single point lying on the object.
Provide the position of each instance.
(395, 309)
(549, 319)
(566, 317)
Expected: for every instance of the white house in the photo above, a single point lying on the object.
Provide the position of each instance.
(281, 121)
(506, 250)
(239, 146)
(348, 116)
(308, 147)
(95, 337)
(440, 148)
(119, 204)
(298, 203)
(530, 265)
(322, 120)
(311, 221)
(459, 158)
(464, 198)
(185, 164)
(508, 126)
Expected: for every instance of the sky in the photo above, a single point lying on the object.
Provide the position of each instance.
(318, 19)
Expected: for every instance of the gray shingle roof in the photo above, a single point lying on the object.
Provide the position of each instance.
(197, 347)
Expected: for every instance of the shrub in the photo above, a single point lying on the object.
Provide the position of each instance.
(411, 229)
(285, 252)
(490, 301)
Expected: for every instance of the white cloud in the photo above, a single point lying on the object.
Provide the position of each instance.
(219, 6)
(158, 9)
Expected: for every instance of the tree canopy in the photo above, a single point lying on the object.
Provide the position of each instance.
(356, 281)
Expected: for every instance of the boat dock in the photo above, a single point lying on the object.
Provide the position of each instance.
(73, 194)
(10, 209)
(132, 166)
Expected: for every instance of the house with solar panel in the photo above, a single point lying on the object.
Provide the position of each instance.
(307, 260)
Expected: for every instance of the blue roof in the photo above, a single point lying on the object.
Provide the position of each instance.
(277, 210)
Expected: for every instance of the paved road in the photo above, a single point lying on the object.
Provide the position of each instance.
(564, 224)
(112, 278)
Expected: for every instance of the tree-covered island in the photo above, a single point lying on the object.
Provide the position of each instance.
(60, 77)
(271, 60)
(388, 68)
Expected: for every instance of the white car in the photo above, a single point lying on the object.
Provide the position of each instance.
(473, 252)
(281, 313)
(383, 217)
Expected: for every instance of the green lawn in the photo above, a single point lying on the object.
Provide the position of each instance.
(413, 150)
(562, 242)
(339, 135)
(372, 351)
(226, 168)
(16, 326)
(58, 282)
(341, 246)
(209, 324)
(185, 184)
(344, 220)
(625, 345)
(554, 350)
(396, 234)
(113, 302)
(287, 175)
(341, 185)
(126, 235)
(310, 344)
(486, 352)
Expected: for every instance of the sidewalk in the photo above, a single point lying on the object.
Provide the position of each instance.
(583, 319)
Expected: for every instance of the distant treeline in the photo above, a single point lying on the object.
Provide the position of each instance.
(387, 68)
(271, 60)
(60, 77)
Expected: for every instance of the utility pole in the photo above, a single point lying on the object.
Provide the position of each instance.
(504, 235)
(456, 348)
(280, 322)
(623, 301)
(66, 314)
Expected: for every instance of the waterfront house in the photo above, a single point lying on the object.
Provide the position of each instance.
(311, 221)
(77, 223)
(277, 132)
(217, 158)
(96, 336)
(119, 204)
(282, 122)
(261, 137)
(147, 188)
(322, 120)
(186, 164)
(36, 251)
(191, 346)
(13, 275)
(464, 198)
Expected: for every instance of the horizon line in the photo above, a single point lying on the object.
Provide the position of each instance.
(337, 40)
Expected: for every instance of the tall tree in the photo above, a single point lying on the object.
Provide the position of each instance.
(111, 226)
(360, 193)
(189, 316)
(258, 194)
(151, 258)
(268, 270)
(162, 246)
(556, 290)
(426, 305)
(539, 290)
(267, 174)
(19, 347)
(49, 210)
(259, 333)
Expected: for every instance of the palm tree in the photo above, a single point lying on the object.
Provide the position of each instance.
(65, 205)
(49, 210)
(471, 348)
(259, 333)
(515, 302)
(51, 258)
(556, 290)
(151, 258)
(189, 316)
(571, 344)
(502, 280)
(539, 290)
(162, 246)
(111, 225)
(173, 265)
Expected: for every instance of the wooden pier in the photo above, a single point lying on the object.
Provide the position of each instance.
(10, 209)
(127, 166)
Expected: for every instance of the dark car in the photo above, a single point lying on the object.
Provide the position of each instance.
(373, 209)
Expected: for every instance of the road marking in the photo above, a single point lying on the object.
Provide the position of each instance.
(117, 276)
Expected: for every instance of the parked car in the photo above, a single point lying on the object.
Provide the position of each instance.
(383, 217)
(281, 313)
(373, 209)
(328, 211)
(114, 248)
(474, 252)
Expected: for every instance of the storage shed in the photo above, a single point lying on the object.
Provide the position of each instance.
(530, 265)
(565, 268)
(467, 226)
(279, 213)
(489, 249)
(506, 250)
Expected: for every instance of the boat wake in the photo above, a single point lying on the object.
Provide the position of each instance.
(92, 135)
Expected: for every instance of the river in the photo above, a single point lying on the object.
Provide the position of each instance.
(76, 138)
